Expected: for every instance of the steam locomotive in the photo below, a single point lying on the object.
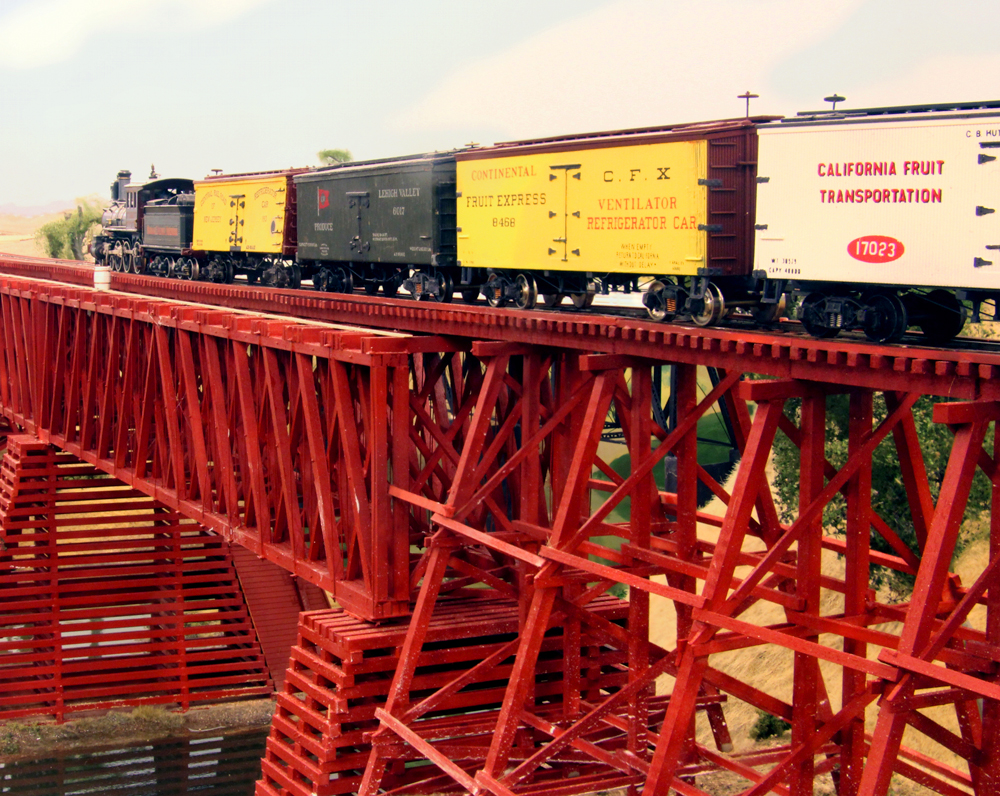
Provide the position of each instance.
(877, 219)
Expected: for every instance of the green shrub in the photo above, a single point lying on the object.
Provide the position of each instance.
(768, 726)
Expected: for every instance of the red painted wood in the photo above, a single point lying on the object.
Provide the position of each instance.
(341, 672)
(274, 603)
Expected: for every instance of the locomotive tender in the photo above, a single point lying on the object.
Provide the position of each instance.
(876, 219)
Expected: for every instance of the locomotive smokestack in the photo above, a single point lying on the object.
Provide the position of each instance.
(118, 186)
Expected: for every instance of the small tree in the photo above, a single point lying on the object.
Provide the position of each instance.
(331, 157)
(64, 238)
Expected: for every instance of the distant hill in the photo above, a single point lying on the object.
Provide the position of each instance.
(36, 210)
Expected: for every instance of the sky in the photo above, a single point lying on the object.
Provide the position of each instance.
(88, 87)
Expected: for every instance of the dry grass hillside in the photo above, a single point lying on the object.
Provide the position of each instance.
(17, 233)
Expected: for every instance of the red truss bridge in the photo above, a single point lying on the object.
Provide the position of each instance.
(443, 473)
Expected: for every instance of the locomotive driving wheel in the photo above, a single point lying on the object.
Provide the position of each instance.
(138, 267)
(117, 257)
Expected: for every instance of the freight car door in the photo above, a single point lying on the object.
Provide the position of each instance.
(359, 204)
(237, 203)
(561, 247)
(332, 217)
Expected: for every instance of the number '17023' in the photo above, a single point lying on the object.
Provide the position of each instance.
(875, 249)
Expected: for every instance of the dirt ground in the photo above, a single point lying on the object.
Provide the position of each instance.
(28, 739)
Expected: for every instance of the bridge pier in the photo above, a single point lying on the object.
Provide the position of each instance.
(108, 599)
(342, 669)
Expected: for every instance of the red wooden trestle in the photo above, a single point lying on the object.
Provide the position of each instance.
(456, 492)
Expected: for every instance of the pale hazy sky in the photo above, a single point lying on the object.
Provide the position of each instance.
(88, 87)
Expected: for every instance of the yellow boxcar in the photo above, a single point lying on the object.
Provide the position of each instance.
(637, 208)
(245, 213)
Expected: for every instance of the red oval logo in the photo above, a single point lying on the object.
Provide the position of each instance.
(875, 249)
